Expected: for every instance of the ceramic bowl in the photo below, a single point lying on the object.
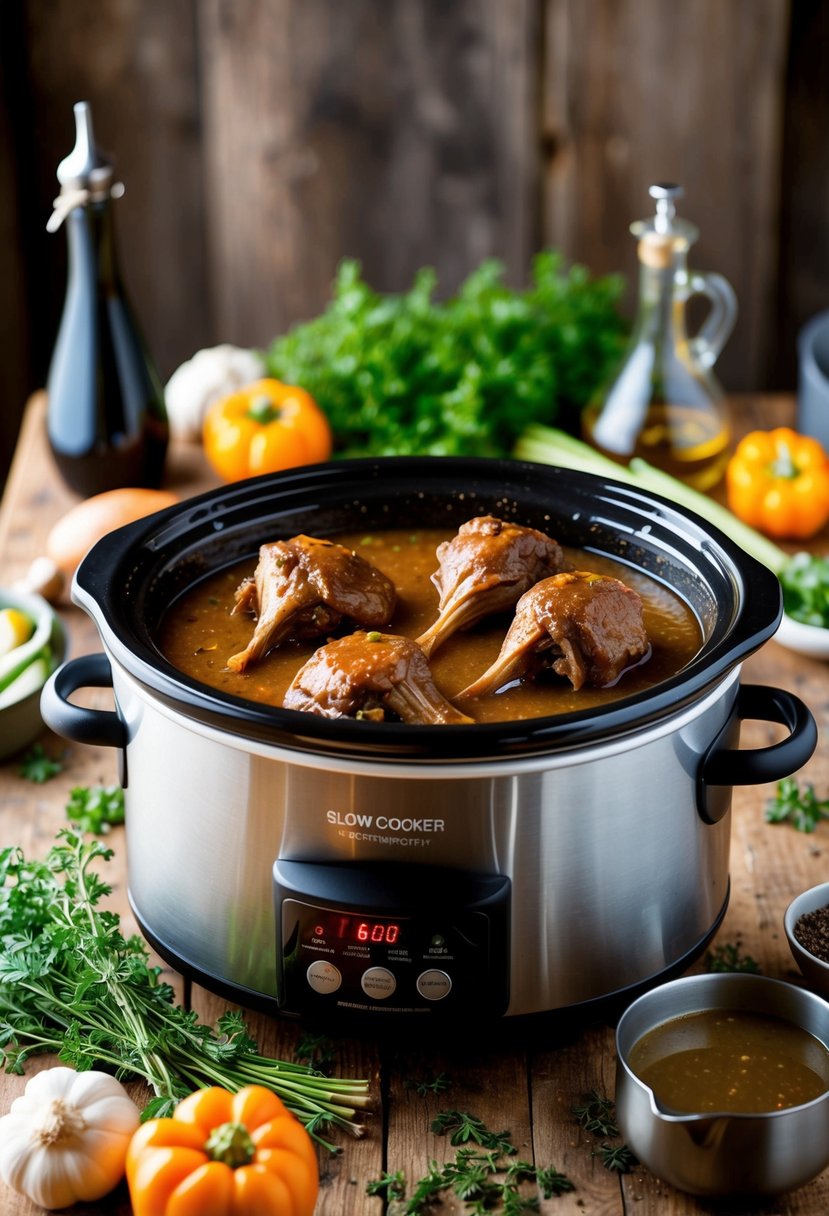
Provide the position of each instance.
(723, 1154)
(20, 720)
(809, 640)
(814, 970)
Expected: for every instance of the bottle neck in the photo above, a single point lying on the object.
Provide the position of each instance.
(91, 243)
(661, 305)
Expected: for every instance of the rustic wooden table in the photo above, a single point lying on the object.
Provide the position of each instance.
(527, 1083)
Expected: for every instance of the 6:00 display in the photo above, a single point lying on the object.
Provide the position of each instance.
(353, 928)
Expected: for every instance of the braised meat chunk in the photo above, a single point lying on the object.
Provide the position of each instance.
(587, 627)
(364, 675)
(486, 569)
(305, 588)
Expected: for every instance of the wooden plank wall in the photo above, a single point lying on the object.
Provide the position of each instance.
(262, 140)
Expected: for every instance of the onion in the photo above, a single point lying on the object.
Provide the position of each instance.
(80, 528)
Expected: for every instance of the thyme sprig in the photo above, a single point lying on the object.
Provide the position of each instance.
(484, 1174)
(72, 984)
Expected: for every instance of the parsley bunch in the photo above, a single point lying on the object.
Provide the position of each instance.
(406, 375)
(71, 983)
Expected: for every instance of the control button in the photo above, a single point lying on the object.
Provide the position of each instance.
(323, 977)
(378, 982)
(434, 985)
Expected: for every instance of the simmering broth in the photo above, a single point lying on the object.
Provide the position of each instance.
(730, 1061)
(199, 633)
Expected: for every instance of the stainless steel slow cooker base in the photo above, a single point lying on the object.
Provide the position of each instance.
(383, 870)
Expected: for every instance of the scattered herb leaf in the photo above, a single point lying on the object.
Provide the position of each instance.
(318, 1050)
(389, 1186)
(617, 1157)
(597, 1115)
(437, 1085)
(38, 767)
(97, 808)
(727, 957)
(72, 984)
(466, 1128)
(801, 808)
(485, 1180)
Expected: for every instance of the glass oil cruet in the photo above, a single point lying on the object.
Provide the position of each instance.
(106, 420)
(664, 403)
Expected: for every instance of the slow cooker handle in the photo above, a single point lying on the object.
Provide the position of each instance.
(99, 727)
(726, 766)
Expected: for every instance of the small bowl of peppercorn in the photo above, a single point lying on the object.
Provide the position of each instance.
(807, 928)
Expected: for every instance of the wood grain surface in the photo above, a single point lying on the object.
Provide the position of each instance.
(525, 1081)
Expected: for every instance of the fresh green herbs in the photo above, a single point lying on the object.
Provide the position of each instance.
(799, 807)
(464, 1128)
(729, 957)
(72, 984)
(486, 1177)
(96, 809)
(38, 767)
(422, 1086)
(597, 1115)
(805, 583)
(403, 375)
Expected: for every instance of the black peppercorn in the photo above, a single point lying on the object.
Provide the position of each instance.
(812, 931)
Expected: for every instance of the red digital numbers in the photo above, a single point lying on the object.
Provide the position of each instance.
(377, 931)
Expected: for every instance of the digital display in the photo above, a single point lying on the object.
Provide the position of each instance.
(356, 929)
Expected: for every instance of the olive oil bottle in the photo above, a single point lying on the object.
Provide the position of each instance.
(664, 403)
(106, 420)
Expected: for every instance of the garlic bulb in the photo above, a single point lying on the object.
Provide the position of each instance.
(211, 374)
(65, 1138)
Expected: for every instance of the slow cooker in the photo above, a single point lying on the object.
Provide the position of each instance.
(337, 868)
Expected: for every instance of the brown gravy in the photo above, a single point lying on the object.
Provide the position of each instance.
(730, 1061)
(198, 633)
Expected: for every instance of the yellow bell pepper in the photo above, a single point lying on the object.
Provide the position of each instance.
(778, 482)
(223, 1154)
(265, 427)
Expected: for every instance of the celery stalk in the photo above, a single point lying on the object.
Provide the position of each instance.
(547, 445)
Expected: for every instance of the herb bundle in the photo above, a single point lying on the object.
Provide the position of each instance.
(406, 375)
(72, 984)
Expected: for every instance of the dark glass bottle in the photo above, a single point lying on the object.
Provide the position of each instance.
(106, 420)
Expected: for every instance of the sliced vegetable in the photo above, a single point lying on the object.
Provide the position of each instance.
(31, 679)
(778, 482)
(16, 627)
(550, 446)
(65, 1138)
(37, 646)
(238, 1154)
(263, 428)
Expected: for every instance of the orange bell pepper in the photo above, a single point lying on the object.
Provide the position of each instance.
(265, 427)
(223, 1154)
(778, 482)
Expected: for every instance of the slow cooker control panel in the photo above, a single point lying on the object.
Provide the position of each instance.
(390, 939)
